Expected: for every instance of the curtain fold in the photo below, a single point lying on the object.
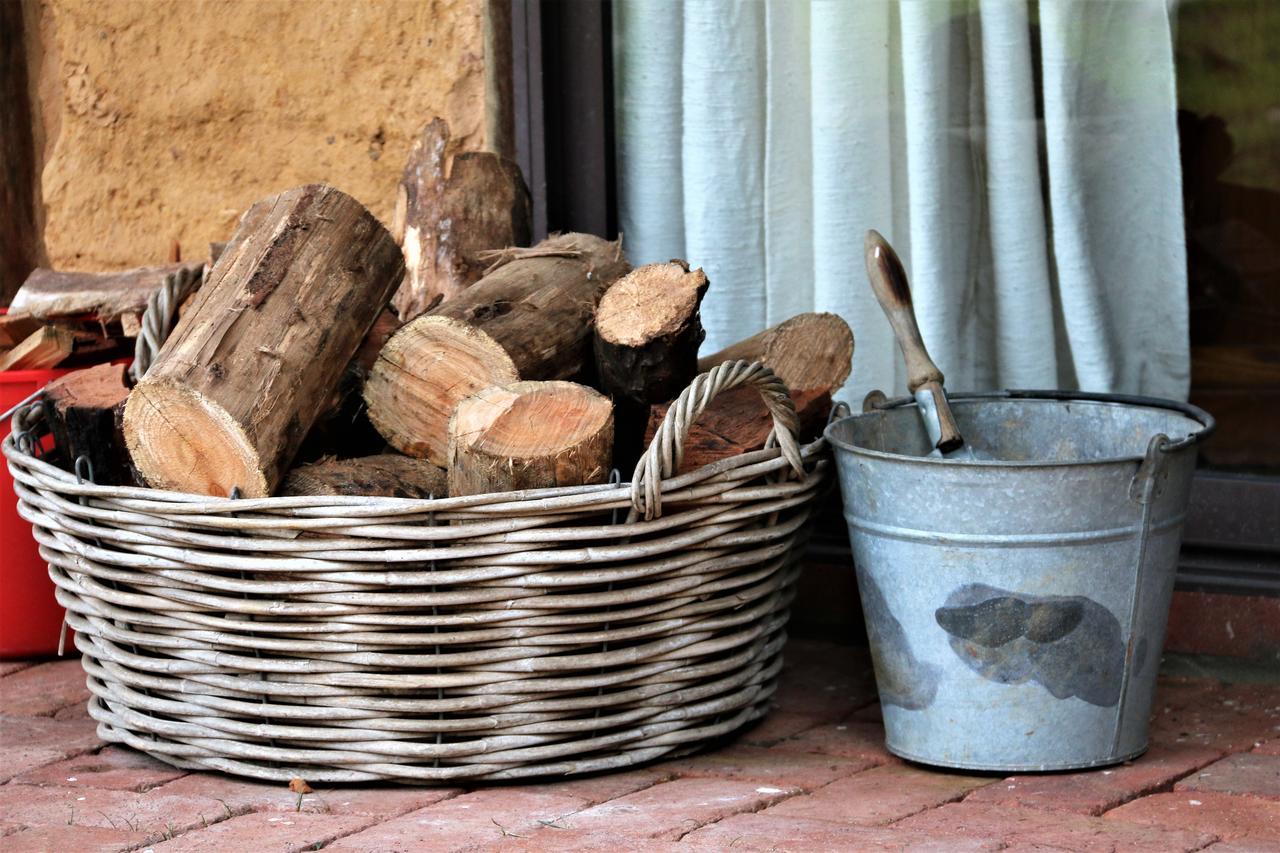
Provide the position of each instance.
(648, 120)
(723, 158)
(1021, 156)
(855, 184)
(1015, 196)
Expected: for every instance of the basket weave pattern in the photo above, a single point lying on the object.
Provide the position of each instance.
(500, 636)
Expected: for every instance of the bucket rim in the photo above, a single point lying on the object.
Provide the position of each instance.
(1206, 421)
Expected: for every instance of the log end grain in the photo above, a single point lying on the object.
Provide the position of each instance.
(100, 387)
(650, 302)
(530, 435)
(647, 334)
(180, 439)
(426, 368)
(812, 351)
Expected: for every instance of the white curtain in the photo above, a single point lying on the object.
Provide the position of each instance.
(1021, 156)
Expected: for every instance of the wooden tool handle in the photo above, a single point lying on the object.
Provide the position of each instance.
(889, 281)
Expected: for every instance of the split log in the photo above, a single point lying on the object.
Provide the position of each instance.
(450, 209)
(48, 294)
(81, 411)
(42, 349)
(529, 318)
(530, 435)
(737, 422)
(16, 328)
(810, 351)
(646, 345)
(384, 475)
(245, 373)
(343, 427)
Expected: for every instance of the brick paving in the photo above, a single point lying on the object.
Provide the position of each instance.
(813, 776)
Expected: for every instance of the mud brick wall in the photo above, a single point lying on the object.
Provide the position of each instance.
(162, 120)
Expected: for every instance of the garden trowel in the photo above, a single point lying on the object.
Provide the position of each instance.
(924, 379)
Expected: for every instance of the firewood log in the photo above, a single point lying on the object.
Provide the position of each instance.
(40, 350)
(81, 410)
(48, 294)
(530, 435)
(737, 422)
(450, 209)
(646, 345)
(810, 351)
(342, 428)
(384, 475)
(245, 373)
(530, 318)
(347, 390)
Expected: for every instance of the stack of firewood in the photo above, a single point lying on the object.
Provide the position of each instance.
(325, 356)
(75, 319)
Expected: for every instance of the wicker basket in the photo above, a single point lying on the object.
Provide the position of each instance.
(345, 639)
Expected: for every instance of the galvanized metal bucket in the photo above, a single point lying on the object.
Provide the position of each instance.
(1016, 605)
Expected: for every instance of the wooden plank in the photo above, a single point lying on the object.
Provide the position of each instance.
(41, 350)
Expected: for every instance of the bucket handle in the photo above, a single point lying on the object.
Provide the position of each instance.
(663, 457)
(1144, 486)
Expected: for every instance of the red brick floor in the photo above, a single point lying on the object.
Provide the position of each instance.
(814, 776)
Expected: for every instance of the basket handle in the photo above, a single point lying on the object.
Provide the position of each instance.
(161, 315)
(662, 459)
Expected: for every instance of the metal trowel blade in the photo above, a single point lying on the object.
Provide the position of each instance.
(929, 414)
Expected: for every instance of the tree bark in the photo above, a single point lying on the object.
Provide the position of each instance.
(81, 410)
(530, 435)
(737, 422)
(342, 428)
(529, 318)
(244, 375)
(809, 351)
(49, 294)
(384, 475)
(647, 335)
(450, 209)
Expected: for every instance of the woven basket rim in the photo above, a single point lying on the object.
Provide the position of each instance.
(608, 494)
(658, 464)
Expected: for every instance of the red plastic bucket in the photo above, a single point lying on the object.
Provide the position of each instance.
(30, 617)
